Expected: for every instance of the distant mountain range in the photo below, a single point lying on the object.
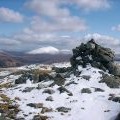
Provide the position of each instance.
(45, 55)
(49, 50)
(12, 59)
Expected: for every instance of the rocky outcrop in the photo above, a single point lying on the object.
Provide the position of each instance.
(95, 55)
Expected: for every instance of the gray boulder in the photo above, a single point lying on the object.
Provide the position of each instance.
(111, 81)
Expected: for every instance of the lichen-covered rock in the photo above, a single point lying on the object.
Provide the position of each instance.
(111, 81)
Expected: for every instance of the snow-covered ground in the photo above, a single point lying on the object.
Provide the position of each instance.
(84, 106)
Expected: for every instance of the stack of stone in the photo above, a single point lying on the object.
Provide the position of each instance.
(96, 55)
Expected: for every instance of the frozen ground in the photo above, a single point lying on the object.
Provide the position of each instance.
(84, 106)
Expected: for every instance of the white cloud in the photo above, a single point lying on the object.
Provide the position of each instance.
(116, 28)
(8, 15)
(92, 4)
(53, 25)
(8, 41)
(51, 7)
(47, 7)
(106, 41)
(35, 37)
(67, 23)
(58, 18)
(33, 41)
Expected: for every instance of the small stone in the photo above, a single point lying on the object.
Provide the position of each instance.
(35, 105)
(63, 89)
(45, 109)
(17, 98)
(49, 91)
(41, 86)
(86, 90)
(86, 77)
(28, 89)
(40, 117)
(50, 98)
(63, 109)
(107, 111)
(99, 90)
(20, 118)
(114, 98)
(70, 83)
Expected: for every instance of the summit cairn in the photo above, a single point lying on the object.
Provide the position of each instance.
(95, 55)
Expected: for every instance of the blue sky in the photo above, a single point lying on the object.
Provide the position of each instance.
(30, 24)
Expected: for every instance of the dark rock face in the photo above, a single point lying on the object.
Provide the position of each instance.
(96, 55)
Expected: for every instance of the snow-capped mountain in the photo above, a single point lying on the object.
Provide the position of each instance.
(48, 50)
(45, 50)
